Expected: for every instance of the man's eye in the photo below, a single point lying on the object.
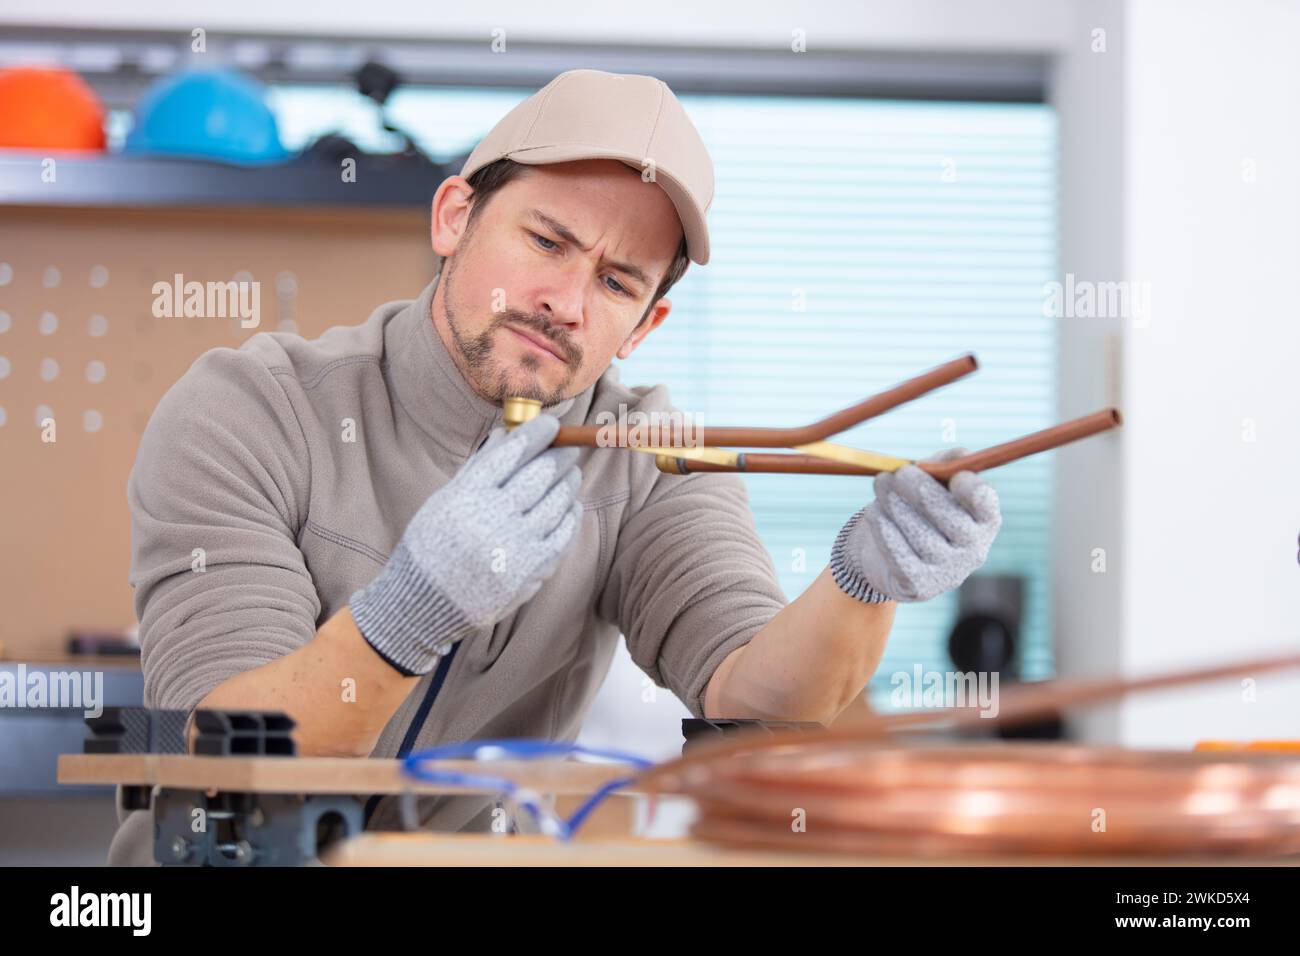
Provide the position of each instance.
(618, 287)
(544, 239)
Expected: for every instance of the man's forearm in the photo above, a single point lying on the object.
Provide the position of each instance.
(810, 661)
(334, 718)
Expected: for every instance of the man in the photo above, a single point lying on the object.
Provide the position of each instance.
(340, 528)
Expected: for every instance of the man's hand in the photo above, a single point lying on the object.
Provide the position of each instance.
(478, 548)
(918, 539)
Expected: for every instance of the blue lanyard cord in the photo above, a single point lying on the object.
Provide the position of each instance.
(524, 749)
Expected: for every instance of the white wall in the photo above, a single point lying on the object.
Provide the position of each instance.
(1213, 518)
(1200, 524)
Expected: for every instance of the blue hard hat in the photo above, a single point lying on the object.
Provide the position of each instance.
(208, 114)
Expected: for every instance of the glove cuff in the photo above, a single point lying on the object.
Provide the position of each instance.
(844, 568)
(408, 621)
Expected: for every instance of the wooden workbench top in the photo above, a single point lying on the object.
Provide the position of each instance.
(362, 775)
(464, 849)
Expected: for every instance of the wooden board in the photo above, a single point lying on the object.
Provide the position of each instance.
(324, 774)
(461, 849)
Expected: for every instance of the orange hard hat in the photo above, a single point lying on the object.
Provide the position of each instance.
(49, 108)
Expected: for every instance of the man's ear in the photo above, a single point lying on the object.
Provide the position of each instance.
(645, 327)
(451, 204)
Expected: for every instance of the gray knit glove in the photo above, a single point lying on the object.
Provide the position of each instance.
(478, 548)
(918, 539)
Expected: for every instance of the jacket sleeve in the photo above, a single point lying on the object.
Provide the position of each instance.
(217, 495)
(690, 580)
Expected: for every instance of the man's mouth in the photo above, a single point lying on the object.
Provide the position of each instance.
(536, 340)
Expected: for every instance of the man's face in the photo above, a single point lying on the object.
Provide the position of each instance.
(554, 277)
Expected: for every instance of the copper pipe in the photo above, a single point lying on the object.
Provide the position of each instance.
(742, 437)
(861, 795)
(1029, 702)
(1018, 799)
(1024, 704)
(1044, 440)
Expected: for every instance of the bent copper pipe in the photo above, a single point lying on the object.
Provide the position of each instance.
(1044, 440)
(802, 463)
(732, 437)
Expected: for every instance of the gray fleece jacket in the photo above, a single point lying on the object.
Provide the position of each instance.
(246, 471)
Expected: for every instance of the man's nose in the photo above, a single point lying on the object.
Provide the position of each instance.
(563, 298)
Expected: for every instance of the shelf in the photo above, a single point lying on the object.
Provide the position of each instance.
(113, 181)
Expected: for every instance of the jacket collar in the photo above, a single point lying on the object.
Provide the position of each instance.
(427, 382)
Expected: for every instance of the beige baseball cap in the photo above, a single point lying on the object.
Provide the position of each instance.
(590, 114)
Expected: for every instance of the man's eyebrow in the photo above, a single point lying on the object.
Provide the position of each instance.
(564, 233)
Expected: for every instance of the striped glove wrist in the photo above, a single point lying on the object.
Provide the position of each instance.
(918, 539)
(407, 620)
(846, 572)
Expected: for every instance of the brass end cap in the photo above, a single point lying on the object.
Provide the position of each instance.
(516, 411)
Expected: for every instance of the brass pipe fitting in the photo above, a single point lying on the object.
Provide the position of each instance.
(516, 411)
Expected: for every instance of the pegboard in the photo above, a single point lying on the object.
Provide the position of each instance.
(79, 344)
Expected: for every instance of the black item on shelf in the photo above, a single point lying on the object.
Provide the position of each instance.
(986, 635)
(376, 82)
(136, 730)
(108, 644)
(983, 643)
(986, 639)
(244, 733)
(331, 148)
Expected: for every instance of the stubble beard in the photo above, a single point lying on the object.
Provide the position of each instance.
(485, 373)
